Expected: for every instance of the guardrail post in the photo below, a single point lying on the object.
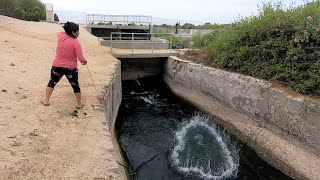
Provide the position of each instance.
(152, 43)
(132, 37)
(111, 42)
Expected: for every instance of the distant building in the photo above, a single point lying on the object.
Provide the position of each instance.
(49, 12)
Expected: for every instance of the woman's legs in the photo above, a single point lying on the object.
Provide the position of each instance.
(56, 75)
(72, 76)
(78, 97)
(49, 91)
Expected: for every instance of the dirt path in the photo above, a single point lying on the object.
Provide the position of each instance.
(62, 146)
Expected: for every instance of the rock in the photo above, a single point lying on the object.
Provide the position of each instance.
(12, 64)
(87, 115)
(20, 87)
(4, 90)
(6, 41)
(34, 133)
(16, 93)
(24, 97)
(23, 71)
(16, 143)
(74, 113)
(12, 136)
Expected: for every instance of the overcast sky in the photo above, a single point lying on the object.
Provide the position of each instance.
(215, 11)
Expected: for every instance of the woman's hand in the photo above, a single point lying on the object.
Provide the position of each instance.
(84, 63)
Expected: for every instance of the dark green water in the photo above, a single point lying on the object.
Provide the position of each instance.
(166, 138)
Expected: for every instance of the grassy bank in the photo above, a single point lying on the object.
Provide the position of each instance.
(278, 43)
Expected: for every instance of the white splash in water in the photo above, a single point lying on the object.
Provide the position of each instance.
(148, 100)
(142, 93)
(189, 167)
(152, 99)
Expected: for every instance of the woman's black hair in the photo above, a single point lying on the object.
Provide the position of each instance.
(70, 27)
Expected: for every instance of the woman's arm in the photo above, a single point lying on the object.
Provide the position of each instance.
(79, 53)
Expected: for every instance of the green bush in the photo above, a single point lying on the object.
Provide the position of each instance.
(201, 41)
(277, 44)
(30, 10)
(191, 26)
(204, 40)
(177, 41)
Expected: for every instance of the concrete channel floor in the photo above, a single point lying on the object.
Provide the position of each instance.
(38, 142)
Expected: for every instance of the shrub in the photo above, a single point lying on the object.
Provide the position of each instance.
(277, 44)
(177, 41)
(30, 10)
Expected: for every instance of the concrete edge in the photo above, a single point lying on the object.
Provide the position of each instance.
(112, 101)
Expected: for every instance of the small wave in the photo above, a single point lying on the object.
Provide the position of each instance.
(190, 164)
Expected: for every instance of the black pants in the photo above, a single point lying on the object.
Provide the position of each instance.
(70, 73)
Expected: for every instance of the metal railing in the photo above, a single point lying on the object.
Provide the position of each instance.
(135, 38)
(125, 20)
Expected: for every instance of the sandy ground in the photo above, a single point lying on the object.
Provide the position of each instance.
(38, 142)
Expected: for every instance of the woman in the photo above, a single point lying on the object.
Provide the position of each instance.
(65, 62)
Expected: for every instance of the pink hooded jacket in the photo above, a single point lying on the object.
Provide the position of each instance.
(67, 52)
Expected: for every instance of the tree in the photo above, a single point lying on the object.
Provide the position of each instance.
(30, 10)
(188, 26)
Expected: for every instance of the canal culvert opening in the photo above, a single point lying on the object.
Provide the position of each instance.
(163, 137)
